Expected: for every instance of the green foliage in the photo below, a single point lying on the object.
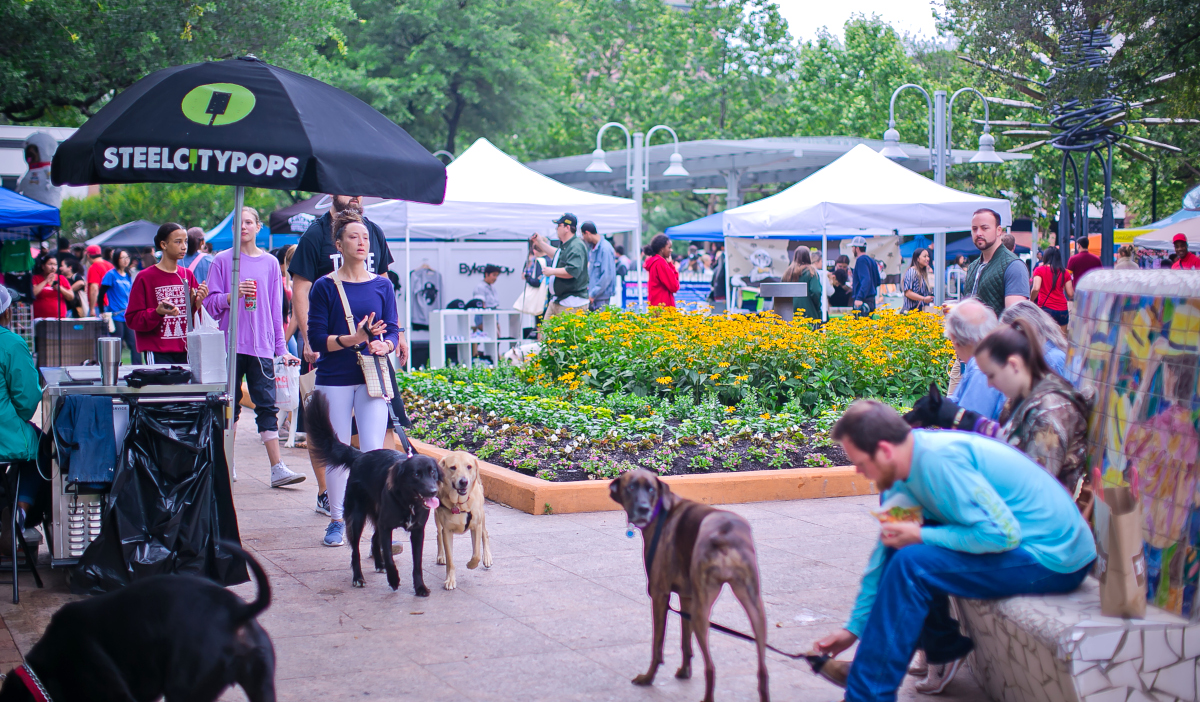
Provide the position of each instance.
(63, 59)
(192, 205)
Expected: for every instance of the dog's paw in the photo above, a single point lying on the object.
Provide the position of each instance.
(393, 580)
(441, 559)
(487, 560)
(359, 582)
(451, 582)
(473, 563)
(643, 680)
(422, 591)
(684, 672)
(380, 569)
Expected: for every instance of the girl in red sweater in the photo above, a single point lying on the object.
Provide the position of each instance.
(664, 279)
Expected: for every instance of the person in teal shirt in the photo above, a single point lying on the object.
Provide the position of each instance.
(20, 394)
(995, 525)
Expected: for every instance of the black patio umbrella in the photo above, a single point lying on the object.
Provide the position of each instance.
(243, 122)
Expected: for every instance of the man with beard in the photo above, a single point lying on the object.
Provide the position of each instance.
(316, 256)
(998, 278)
(994, 525)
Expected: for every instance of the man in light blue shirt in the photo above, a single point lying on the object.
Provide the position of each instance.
(995, 525)
(966, 325)
(602, 267)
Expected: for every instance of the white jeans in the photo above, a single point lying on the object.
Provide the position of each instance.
(371, 414)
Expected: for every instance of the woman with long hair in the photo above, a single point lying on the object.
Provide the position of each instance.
(1052, 285)
(114, 290)
(51, 290)
(915, 283)
(661, 273)
(802, 270)
(1054, 341)
(1045, 417)
(339, 377)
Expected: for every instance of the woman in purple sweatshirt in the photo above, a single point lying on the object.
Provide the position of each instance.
(260, 334)
(339, 377)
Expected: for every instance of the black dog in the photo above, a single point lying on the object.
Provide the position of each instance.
(391, 489)
(178, 637)
(936, 410)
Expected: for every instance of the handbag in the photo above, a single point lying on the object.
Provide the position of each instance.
(532, 300)
(374, 367)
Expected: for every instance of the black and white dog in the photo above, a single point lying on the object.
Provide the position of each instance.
(178, 637)
(392, 489)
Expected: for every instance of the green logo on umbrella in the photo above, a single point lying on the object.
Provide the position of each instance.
(216, 104)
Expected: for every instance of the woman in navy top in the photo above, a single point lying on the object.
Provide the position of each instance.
(339, 377)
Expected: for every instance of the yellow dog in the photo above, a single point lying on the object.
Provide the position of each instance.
(460, 507)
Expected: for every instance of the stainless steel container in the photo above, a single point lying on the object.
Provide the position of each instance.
(108, 355)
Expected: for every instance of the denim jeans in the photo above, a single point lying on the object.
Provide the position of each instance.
(260, 381)
(912, 608)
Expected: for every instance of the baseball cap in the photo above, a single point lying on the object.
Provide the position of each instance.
(588, 227)
(1179, 237)
(568, 219)
(5, 299)
(859, 242)
(93, 250)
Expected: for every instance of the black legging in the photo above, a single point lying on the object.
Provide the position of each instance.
(130, 338)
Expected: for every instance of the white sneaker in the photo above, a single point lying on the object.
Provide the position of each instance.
(939, 677)
(280, 476)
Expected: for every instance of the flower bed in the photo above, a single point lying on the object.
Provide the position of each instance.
(670, 354)
(677, 393)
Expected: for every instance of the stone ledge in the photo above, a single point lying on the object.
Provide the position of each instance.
(1059, 648)
(537, 496)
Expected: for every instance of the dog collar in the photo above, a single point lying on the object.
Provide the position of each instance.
(454, 506)
(27, 676)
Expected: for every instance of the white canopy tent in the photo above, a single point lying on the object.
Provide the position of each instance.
(1160, 239)
(867, 194)
(491, 195)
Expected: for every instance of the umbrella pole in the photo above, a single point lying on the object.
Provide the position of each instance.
(239, 194)
(407, 286)
(824, 275)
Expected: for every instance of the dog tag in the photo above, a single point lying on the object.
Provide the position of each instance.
(629, 531)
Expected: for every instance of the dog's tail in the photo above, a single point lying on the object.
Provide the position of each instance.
(260, 603)
(322, 441)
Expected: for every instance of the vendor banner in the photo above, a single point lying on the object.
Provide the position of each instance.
(753, 261)
(884, 249)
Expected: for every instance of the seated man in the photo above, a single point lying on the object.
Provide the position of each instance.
(997, 525)
(966, 325)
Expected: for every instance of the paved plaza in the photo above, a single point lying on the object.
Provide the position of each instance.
(562, 615)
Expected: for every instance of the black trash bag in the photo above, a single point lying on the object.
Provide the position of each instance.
(170, 504)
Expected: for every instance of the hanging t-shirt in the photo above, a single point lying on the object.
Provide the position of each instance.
(426, 287)
(15, 257)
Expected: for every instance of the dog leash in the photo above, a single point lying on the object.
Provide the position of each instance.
(815, 661)
(36, 690)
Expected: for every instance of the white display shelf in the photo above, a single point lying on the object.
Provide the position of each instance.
(502, 331)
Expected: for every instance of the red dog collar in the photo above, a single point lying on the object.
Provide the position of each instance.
(27, 676)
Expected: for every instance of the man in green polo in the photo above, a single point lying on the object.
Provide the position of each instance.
(998, 278)
(569, 268)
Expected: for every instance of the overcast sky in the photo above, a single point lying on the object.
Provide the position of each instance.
(805, 17)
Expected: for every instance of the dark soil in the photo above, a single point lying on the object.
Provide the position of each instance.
(541, 454)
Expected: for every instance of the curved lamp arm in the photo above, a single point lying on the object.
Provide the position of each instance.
(928, 116)
(950, 111)
(646, 149)
(628, 150)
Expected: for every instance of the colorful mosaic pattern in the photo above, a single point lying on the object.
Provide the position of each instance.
(1135, 340)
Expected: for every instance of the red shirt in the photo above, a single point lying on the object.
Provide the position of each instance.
(663, 281)
(1052, 296)
(95, 274)
(47, 304)
(1189, 262)
(1083, 262)
(155, 332)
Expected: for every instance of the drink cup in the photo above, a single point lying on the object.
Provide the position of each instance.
(252, 298)
(108, 355)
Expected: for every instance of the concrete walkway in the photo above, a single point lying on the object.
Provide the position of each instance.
(562, 615)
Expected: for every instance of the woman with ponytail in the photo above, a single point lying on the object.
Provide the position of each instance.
(1052, 286)
(1045, 417)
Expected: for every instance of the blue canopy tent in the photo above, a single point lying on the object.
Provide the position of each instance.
(25, 216)
(966, 247)
(220, 237)
(710, 228)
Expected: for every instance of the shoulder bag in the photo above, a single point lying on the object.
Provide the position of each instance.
(374, 368)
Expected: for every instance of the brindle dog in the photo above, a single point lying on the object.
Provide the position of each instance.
(692, 549)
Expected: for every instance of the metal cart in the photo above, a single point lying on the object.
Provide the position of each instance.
(75, 515)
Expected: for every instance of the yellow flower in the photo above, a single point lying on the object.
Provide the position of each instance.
(665, 380)
(723, 364)
(714, 376)
(729, 409)
(566, 376)
(765, 415)
(741, 377)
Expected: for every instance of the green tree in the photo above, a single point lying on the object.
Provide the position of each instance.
(63, 59)
(449, 70)
(193, 205)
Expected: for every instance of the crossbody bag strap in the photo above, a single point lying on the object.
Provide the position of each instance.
(350, 326)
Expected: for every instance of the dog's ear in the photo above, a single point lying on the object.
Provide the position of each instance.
(664, 492)
(616, 488)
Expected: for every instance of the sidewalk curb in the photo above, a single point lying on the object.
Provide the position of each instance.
(537, 496)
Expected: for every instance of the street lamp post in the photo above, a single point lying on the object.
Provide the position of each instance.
(637, 178)
(939, 157)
